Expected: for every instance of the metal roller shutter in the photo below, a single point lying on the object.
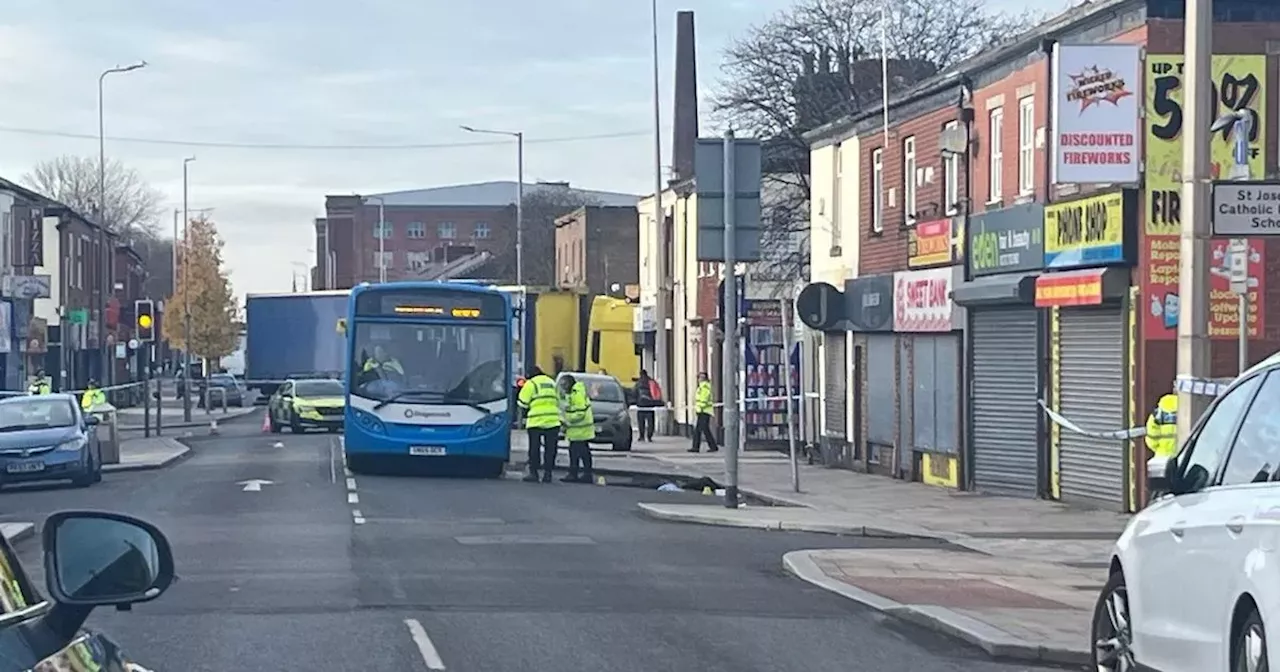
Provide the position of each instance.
(1092, 395)
(1006, 443)
(835, 393)
(881, 388)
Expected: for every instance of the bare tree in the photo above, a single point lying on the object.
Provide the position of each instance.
(820, 61)
(131, 204)
(543, 203)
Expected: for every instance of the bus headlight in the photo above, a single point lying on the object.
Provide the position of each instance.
(369, 422)
(489, 424)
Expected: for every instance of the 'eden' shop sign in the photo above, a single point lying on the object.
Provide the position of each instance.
(1010, 240)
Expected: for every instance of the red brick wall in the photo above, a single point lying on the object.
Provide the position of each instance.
(1158, 360)
(887, 251)
(1032, 80)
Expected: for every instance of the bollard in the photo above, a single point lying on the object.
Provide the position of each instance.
(213, 426)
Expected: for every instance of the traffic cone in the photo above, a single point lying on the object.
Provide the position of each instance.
(707, 490)
(266, 422)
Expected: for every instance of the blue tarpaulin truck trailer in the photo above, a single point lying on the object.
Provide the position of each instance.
(293, 336)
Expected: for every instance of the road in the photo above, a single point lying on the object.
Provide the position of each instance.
(490, 576)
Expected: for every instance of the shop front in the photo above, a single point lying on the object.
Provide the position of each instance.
(929, 327)
(869, 307)
(1089, 251)
(821, 307)
(1005, 344)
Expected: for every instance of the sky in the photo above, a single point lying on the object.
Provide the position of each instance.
(324, 72)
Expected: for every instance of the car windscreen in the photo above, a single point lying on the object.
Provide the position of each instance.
(604, 389)
(36, 413)
(317, 388)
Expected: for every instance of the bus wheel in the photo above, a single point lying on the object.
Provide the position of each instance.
(495, 469)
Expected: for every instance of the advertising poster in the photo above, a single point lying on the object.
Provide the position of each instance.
(764, 347)
(1236, 152)
(1096, 108)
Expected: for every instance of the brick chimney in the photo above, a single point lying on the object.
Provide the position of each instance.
(685, 118)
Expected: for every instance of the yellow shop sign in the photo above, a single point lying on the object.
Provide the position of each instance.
(1087, 231)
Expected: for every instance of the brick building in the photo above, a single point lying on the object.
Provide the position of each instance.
(465, 230)
(595, 248)
(972, 293)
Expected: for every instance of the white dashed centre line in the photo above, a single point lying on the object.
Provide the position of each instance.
(353, 498)
(428, 650)
(351, 484)
(357, 516)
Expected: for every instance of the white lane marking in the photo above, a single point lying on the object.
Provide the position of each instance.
(333, 460)
(428, 650)
(357, 516)
(351, 484)
(353, 498)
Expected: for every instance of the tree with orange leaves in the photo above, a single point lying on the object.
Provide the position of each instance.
(204, 290)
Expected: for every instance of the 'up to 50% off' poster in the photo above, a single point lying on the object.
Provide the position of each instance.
(1236, 152)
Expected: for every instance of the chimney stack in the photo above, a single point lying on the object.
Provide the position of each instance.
(685, 117)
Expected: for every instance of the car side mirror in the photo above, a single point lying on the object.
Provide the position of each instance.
(98, 558)
(1158, 475)
(91, 420)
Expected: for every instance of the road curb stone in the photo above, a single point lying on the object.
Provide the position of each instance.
(993, 641)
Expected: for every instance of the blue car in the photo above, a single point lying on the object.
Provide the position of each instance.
(46, 437)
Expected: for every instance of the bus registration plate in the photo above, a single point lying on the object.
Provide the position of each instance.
(426, 450)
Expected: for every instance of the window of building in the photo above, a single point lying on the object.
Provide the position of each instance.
(447, 230)
(1027, 145)
(995, 153)
(416, 230)
(481, 231)
(877, 190)
(909, 179)
(951, 175)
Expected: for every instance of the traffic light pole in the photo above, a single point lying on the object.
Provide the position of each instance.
(145, 357)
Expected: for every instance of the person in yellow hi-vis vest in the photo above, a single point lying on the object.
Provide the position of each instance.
(704, 406)
(579, 428)
(1162, 428)
(541, 406)
(93, 396)
(41, 384)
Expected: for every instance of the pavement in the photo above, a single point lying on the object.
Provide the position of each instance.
(288, 562)
(171, 415)
(1026, 592)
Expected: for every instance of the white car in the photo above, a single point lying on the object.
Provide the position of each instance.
(1195, 577)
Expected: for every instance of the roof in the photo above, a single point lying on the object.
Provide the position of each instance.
(493, 194)
(960, 73)
(48, 202)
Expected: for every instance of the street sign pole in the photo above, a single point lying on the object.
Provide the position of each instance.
(728, 170)
(1238, 260)
(730, 348)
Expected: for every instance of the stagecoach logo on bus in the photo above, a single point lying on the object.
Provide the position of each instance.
(414, 413)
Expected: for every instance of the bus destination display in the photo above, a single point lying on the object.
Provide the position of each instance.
(459, 305)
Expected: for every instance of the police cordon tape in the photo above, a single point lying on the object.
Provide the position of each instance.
(1207, 387)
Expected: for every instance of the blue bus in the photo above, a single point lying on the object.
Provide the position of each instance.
(428, 376)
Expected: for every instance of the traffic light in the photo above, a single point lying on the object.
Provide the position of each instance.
(145, 328)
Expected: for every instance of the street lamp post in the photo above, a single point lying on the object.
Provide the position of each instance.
(186, 300)
(106, 249)
(519, 136)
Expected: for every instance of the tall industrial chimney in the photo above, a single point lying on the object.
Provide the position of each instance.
(685, 117)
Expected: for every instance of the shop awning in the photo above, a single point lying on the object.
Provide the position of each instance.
(993, 290)
(1084, 287)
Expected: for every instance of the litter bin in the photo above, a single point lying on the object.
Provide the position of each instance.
(108, 433)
